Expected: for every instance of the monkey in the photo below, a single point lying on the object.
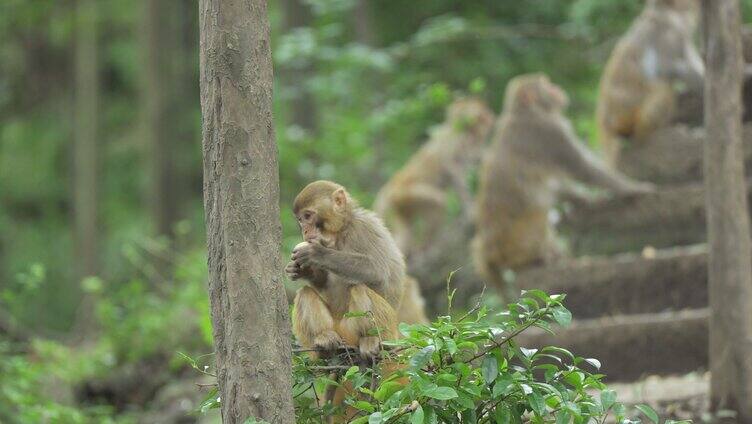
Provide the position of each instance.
(352, 265)
(417, 194)
(637, 92)
(534, 154)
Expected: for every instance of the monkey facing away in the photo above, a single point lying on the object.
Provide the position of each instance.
(352, 264)
(637, 92)
(413, 201)
(534, 153)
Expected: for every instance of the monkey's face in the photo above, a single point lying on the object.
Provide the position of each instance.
(310, 225)
(321, 213)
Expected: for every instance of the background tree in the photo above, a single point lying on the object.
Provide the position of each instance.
(86, 162)
(730, 269)
(250, 321)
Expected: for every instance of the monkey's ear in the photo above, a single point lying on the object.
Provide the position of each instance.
(340, 198)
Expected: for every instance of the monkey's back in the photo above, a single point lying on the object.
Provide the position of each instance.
(512, 204)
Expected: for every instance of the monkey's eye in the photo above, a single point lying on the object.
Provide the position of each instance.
(307, 215)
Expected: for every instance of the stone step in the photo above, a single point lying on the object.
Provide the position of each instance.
(630, 283)
(634, 346)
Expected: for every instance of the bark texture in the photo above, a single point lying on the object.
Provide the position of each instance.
(251, 327)
(730, 270)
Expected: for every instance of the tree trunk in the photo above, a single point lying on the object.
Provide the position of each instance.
(303, 107)
(361, 19)
(159, 34)
(251, 327)
(730, 270)
(86, 163)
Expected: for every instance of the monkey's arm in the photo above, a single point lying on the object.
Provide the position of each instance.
(690, 69)
(565, 152)
(353, 266)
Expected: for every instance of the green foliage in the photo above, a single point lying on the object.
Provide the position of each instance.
(31, 391)
(469, 369)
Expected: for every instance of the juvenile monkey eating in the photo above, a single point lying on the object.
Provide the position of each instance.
(413, 202)
(533, 156)
(638, 88)
(352, 265)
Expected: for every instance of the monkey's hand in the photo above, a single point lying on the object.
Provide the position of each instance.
(305, 254)
(328, 341)
(370, 347)
(295, 272)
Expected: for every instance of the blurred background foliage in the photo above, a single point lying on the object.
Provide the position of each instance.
(358, 84)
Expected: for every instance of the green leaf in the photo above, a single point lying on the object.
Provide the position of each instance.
(364, 406)
(537, 403)
(360, 420)
(594, 362)
(562, 315)
(420, 358)
(451, 346)
(563, 417)
(375, 418)
(450, 378)
(440, 393)
(465, 401)
(503, 415)
(608, 397)
(490, 368)
(418, 416)
(386, 390)
(431, 417)
(502, 386)
(351, 371)
(649, 412)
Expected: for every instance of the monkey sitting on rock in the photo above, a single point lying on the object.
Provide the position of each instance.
(533, 153)
(638, 88)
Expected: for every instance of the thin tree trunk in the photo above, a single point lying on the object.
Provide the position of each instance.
(86, 163)
(303, 107)
(252, 336)
(159, 34)
(730, 269)
(361, 18)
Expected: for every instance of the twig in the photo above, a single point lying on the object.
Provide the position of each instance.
(329, 368)
(407, 408)
(202, 385)
(476, 307)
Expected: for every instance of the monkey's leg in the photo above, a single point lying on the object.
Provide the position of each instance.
(377, 321)
(313, 324)
(655, 113)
